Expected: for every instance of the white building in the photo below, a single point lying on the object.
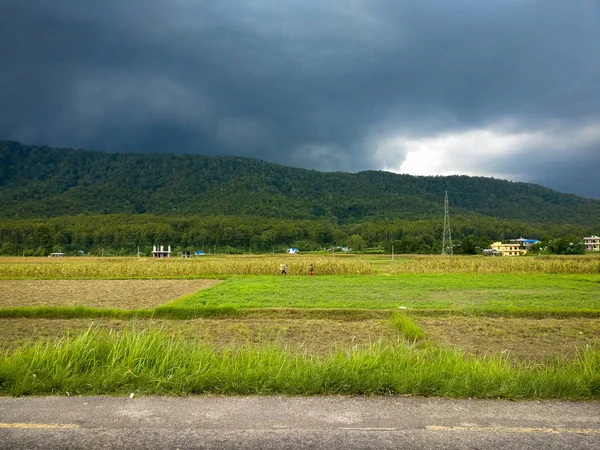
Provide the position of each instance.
(161, 252)
(592, 243)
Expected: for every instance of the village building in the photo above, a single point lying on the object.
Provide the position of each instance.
(160, 252)
(512, 249)
(525, 244)
(592, 243)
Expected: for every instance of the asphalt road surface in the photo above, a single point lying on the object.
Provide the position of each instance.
(295, 422)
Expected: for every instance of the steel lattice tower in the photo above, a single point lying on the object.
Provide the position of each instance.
(447, 239)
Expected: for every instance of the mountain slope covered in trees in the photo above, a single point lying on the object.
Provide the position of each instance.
(42, 182)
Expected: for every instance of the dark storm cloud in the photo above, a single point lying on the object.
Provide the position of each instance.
(333, 85)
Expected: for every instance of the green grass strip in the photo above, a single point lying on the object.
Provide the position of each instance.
(164, 312)
(150, 362)
(181, 313)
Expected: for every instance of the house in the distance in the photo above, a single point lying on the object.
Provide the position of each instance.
(512, 249)
(592, 243)
(525, 243)
(293, 250)
(160, 252)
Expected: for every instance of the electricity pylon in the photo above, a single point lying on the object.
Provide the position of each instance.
(447, 239)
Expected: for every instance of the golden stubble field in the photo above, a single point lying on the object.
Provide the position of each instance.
(347, 264)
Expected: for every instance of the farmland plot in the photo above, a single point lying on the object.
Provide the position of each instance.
(466, 327)
(123, 294)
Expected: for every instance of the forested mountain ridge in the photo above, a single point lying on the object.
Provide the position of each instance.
(38, 182)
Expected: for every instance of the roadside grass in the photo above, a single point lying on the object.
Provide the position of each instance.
(150, 362)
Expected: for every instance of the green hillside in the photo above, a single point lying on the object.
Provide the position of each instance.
(42, 182)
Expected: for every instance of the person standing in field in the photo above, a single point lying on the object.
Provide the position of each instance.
(311, 271)
(283, 268)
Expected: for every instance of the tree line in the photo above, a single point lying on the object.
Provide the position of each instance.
(123, 234)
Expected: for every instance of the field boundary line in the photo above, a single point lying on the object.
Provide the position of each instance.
(350, 314)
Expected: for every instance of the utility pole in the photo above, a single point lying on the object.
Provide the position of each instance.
(447, 238)
(392, 252)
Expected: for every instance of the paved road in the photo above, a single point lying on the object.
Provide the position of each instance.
(295, 422)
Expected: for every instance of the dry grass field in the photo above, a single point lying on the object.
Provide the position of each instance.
(123, 294)
(524, 339)
(519, 339)
(312, 336)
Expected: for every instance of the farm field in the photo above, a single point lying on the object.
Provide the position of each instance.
(224, 265)
(518, 339)
(313, 336)
(125, 294)
(467, 293)
(360, 325)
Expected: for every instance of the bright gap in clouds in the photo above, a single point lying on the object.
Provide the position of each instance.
(472, 152)
(497, 152)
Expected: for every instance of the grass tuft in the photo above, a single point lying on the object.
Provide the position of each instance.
(406, 326)
(174, 312)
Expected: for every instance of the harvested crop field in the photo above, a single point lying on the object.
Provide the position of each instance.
(123, 294)
(315, 337)
(530, 340)
(525, 340)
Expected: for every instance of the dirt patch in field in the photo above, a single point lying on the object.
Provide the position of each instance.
(531, 340)
(123, 294)
(315, 337)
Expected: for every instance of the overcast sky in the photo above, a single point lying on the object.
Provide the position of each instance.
(502, 88)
